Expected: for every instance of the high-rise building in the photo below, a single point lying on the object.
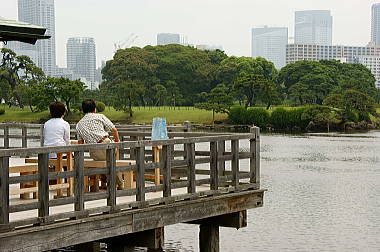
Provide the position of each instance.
(375, 24)
(270, 43)
(366, 55)
(168, 38)
(313, 27)
(81, 59)
(43, 53)
(209, 47)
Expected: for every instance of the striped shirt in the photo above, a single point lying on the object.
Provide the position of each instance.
(93, 127)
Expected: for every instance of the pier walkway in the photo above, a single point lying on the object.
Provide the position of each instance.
(207, 179)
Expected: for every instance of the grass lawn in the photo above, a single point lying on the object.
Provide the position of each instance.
(15, 114)
(140, 115)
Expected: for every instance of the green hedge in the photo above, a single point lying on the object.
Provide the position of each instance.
(2, 111)
(279, 119)
(257, 116)
(100, 106)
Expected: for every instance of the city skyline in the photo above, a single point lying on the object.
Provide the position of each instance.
(229, 24)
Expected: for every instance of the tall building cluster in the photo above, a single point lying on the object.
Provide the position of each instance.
(313, 33)
(42, 13)
(81, 53)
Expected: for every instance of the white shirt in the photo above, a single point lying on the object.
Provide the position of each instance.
(56, 133)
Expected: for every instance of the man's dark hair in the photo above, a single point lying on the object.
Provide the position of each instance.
(57, 109)
(88, 106)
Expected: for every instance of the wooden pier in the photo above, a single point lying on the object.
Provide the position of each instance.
(207, 179)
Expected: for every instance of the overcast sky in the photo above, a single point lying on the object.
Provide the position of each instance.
(215, 22)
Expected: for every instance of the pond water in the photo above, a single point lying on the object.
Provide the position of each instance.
(323, 195)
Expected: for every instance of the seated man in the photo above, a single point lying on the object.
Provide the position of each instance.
(56, 130)
(94, 128)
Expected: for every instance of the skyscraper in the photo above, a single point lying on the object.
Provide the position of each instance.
(270, 43)
(42, 13)
(81, 59)
(168, 38)
(313, 27)
(375, 24)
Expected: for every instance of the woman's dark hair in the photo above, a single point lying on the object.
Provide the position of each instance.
(57, 109)
(88, 106)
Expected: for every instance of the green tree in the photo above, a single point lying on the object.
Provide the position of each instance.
(218, 101)
(125, 95)
(173, 93)
(160, 94)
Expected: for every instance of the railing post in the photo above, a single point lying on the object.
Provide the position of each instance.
(167, 170)
(24, 137)
(140, 176)
(190, 149)
(79, 181)
(254, 161)
(43, 185)
(6, 137)
(132, 151)
(221, 163)
(214, 173)
(111, 178)
(235, 162)
(4, 191)
(42, 135)
(187, 125)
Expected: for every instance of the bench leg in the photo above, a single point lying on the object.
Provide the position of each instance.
(27, 185)
(128, 179)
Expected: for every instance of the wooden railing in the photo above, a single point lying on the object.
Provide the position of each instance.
(34, 132)
(217, 168)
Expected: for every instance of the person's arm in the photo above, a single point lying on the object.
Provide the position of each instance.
(66, 134)
(115, 134)
(80, 139)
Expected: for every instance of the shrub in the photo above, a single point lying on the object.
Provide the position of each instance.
(364, 116)
(257, 116)
(287, 119)
(279, 118)
(350, 116)
(100, 106)
(2, 111)
(238, 115)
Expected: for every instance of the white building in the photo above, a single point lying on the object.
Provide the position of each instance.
(373, 63)
(81, 59)
(209, 47)
(168, 38)
(367, 55)
(270, 43)
(375, 24)
(313, 27)
(43, 53)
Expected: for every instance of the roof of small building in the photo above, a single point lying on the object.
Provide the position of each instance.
(11, 30)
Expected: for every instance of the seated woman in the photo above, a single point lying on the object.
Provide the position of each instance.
(56, 130)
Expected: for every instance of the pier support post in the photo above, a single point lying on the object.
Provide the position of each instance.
(152, 239)
(88, 247)
(208, 238)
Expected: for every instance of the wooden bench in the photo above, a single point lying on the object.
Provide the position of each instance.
(89, 163)
(27, 188)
